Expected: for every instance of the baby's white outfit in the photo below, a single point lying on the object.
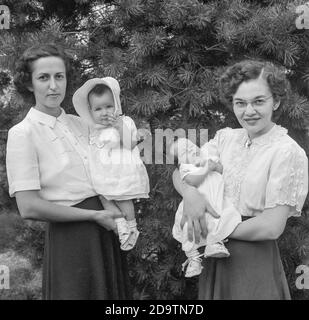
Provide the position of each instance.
(218, 228)
(117, 173)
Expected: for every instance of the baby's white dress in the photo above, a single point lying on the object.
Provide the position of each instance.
(117, 173)
(213, 189)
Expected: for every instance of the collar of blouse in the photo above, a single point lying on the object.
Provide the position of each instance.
(269, 137)
(45, 118)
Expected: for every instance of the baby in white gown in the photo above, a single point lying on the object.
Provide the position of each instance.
(117, 171)
(204, 172)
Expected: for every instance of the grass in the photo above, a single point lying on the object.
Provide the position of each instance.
(25, 281)
(22, 255)
(21, 250)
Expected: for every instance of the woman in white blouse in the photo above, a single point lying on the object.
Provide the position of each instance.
(265, 174)
(48, 173)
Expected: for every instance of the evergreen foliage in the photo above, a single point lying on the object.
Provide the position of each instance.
(168, 56)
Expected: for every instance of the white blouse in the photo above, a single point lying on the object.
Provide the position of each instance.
(49, 154)
(271, 171)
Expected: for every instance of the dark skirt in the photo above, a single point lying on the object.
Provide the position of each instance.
(253, 271)
(83, 261)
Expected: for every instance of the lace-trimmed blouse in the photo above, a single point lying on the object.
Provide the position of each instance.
(50, 154)
(271, 170)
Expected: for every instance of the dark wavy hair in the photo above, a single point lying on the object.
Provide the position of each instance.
(246, 70)
(23, 70)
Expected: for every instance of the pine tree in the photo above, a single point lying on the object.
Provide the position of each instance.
(168, 56)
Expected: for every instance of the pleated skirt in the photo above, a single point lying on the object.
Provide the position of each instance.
(83, 261)
(253, 271)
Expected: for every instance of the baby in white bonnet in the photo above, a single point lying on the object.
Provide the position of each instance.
(117, 171)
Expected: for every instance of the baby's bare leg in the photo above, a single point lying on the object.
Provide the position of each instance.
(109, 204)
(127, 209)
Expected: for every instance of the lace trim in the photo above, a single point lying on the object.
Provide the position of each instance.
(293, 213)
(293, 190)
(234, 173)
(102, 138)
(94, 140)
(268, 138)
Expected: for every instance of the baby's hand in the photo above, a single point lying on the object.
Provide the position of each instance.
(219, 167)
(212, 165)
(142, 134)
(215, 166)
(115, 121)
(202, 163)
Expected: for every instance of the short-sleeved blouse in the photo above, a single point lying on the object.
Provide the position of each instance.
(49, 154)
(271, 170)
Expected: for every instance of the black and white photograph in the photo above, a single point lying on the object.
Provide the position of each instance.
(154, 151)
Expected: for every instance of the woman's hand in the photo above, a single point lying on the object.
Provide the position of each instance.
(194, 208)
(106, 219)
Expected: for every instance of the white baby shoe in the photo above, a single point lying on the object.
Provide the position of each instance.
(130, 241)
(122, 229)
(193, 264)
(216, 250)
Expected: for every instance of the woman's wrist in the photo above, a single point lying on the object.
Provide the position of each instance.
(190, 192)
(187, 188)
(94, 215)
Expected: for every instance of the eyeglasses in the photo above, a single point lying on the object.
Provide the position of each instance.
(242, 104)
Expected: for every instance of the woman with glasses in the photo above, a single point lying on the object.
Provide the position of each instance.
(265, 174)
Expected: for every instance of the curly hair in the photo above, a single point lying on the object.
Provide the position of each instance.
(246, 70)
(23, 72)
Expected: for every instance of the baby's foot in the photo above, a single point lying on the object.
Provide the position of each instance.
(193, 263)
(216, 250)
(122, 229)
(132, 237)
(194, 267)
(130, 241)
